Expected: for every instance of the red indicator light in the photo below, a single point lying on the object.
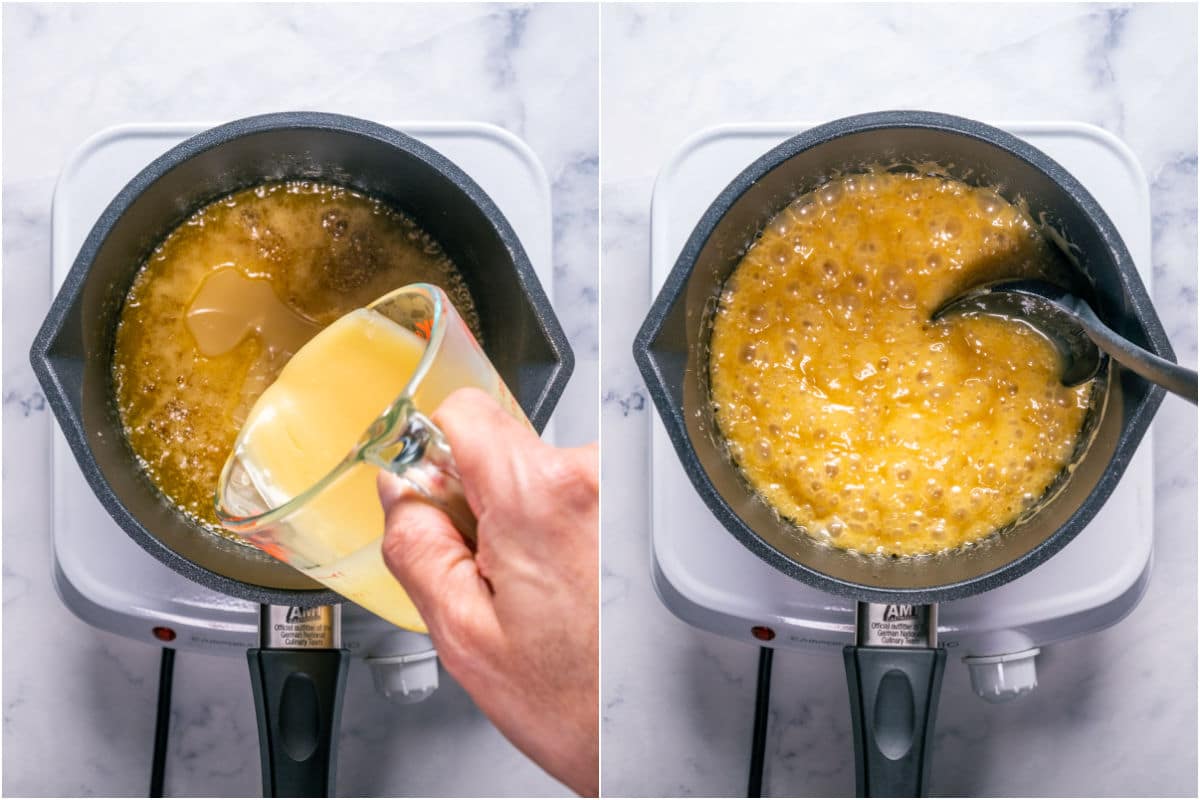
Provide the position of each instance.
(163, 634)
(763, 633)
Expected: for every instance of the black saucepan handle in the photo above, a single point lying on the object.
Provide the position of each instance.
(893, 702)
(894, 685)
(298, 697)
(299, 676)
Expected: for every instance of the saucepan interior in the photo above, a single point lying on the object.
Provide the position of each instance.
(74, 351)
(676, 353)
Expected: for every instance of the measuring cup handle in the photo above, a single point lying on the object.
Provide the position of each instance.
(419, 454)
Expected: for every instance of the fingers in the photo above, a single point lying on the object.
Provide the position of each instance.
(491, 449)
(427, 554)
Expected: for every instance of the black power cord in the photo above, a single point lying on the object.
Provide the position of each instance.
(158, 764)
(762, 707)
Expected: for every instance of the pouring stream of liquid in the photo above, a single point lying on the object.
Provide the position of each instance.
(228, 307)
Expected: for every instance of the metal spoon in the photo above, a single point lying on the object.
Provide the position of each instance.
(1074, 328)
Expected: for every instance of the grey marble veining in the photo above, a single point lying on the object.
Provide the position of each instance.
(78, 704)
(1115, 713)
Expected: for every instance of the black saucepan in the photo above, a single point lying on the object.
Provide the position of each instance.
(72, 355)
(895, 669)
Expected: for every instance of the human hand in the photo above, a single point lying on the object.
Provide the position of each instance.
(516, 622)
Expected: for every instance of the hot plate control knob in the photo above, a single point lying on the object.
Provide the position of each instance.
(999, 679)
(404, 667)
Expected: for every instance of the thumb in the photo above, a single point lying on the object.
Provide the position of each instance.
(427, 554)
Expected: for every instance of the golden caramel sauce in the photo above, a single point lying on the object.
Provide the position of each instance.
(222, 304)
(850, 412)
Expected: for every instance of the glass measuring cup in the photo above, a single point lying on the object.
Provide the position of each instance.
(332, 530)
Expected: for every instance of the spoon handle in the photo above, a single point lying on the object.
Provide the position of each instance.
(1169, 375)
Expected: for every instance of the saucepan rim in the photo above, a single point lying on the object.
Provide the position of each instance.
(1137, 419)
(67, 295)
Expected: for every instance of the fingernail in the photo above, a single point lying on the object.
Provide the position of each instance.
(389, 486)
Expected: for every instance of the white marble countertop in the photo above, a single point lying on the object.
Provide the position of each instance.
(79, 703)
(1115, 713)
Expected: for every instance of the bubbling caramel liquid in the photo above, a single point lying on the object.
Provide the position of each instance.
(853, 415)
(229, 296)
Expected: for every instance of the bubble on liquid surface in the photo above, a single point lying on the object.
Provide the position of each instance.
(879, 400)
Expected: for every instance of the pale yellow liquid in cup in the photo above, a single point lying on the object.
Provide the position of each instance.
(306, 423)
